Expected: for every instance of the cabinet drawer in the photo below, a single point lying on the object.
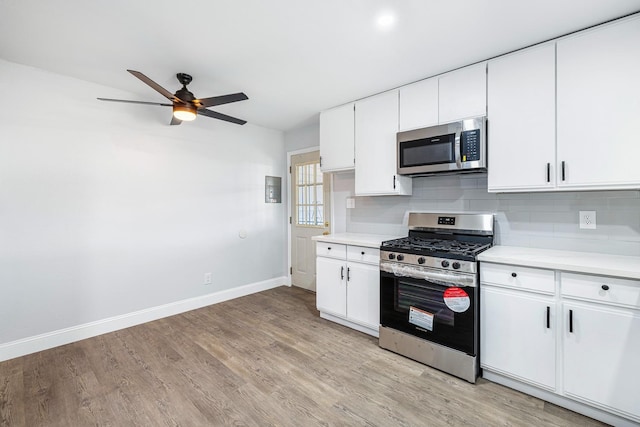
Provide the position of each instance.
(623, 292)
(362, 254)
(516, 277)
(331, 250)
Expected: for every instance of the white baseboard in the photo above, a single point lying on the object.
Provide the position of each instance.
(353, 325)
(556, 399)
(60, 337)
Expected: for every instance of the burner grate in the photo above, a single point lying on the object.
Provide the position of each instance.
(432, 245)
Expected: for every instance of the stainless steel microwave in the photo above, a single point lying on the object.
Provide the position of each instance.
(452, 147)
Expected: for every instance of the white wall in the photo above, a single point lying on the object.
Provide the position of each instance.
(541, 220)
(303, 137)
(105, 209)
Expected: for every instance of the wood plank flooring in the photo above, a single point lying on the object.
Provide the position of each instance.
(266, 359)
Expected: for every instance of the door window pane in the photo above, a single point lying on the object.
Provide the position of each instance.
(309, 195)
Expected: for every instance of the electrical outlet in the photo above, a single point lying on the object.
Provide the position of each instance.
(588, 219)
(351, 202)
(208, 278)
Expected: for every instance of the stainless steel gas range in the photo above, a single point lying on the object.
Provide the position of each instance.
(429, 308)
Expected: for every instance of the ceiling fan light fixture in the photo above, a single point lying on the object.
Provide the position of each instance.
(186, 113)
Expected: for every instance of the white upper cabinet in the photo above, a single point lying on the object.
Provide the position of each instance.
(376, 127)
(599, 107)
(463, 93)
(337, 138)
(521, 111)
(419, 104)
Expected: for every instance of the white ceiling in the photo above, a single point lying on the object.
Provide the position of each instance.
(293, 58)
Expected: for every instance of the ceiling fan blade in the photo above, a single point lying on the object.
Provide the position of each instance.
(175, 121)
(219, 100)
(136, 102)
(156, 86)
(221, 116)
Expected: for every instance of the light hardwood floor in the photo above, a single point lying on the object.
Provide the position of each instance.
(265, 359)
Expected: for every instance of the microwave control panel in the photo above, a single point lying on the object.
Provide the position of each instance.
(470, 145)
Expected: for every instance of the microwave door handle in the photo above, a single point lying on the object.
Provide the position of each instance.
(457, 152)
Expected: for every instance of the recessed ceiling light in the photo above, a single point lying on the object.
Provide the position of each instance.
(386, 20)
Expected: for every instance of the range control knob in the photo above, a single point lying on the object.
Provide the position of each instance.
(456, 265)
(392, 256)
(421, 260)
(444, 264)
(400, 257)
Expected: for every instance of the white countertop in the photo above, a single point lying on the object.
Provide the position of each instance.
(580, 262)
(358, 239)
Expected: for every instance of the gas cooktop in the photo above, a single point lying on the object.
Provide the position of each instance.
(435, 247)
(460, 236)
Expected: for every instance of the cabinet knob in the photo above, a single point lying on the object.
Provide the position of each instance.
(514, 275)
(329, 248)
(605, 287)
(362, 252)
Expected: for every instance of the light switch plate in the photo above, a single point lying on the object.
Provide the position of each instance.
(588, 219)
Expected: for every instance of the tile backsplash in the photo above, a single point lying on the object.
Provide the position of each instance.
(541, 220)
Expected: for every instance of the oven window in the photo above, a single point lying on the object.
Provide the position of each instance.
(426, 297)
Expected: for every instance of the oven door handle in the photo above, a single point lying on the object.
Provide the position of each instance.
(439, 278)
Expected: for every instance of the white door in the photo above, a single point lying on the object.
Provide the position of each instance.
(419, 104)
(337, 138)
(363, 294)
(601, 354)
(522, 117)
(310, 195)
(518, 335)
(463, 93)
(598, 106)
(332, 292)
(376, 128)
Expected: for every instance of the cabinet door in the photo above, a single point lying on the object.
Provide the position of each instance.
(331, 292)
(598, 106)
(601, 356)
(363, 294)
(337, 138)
(376, 128)
(419, 104)
(463, 93)
(515, 337)
(521, 114)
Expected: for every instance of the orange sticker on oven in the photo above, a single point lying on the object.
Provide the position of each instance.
(457, 299)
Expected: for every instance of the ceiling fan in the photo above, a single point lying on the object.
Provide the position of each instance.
(185, 105)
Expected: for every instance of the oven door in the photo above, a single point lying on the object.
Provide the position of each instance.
(445, 313)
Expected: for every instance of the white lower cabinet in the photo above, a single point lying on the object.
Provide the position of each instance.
(602, 342)
(330, 286)
(516, 339)
(348, 285)
(585, 358)
(363, 294)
